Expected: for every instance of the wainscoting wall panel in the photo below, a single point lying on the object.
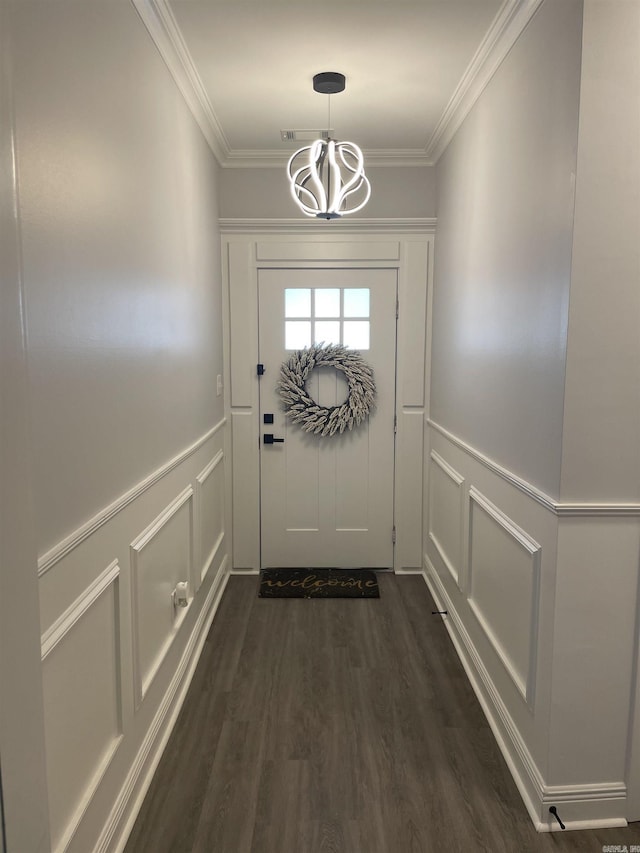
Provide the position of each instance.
(447, 511)
(82, 698)
(161, 557)
(117, 657)
(503, 587)
(541, 583)
(488, 548)
(210, 495)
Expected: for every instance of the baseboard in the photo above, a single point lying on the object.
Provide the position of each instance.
(119, 824)
(579, 806)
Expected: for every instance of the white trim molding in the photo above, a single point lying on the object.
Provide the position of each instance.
(162, 26)
(508, 25)
(509, 476)
(585, 806)
(458, 573)
(206, 561)
(76, 611)
(564, 509)
(48, 560)
(352, 225)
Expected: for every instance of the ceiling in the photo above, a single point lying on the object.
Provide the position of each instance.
(410, 67)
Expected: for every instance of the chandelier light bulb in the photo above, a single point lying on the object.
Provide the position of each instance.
(327, 179)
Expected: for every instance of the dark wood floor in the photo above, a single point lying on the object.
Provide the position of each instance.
(341, 726)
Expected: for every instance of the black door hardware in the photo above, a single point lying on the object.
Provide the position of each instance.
(267, 419)
(269, 439)
(260, 369)
(554, 812)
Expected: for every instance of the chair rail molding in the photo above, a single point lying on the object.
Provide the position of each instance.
(49, 559)
(563, 509)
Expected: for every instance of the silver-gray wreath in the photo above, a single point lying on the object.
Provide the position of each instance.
(326, 420)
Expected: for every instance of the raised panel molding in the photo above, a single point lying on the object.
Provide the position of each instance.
(246, 490)
(82, 688)
(415, 225)
(328, 251)
(155, 627)
(505, 597)
(76, 611)
(209, 495)
(453, 555)
(409, 496)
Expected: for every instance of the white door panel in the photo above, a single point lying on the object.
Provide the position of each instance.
(328, 501)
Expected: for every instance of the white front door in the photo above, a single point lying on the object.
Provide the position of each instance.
(327, 501)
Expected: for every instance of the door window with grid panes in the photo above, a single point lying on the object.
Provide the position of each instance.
(332, 315)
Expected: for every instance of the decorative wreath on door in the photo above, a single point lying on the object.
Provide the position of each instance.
(326, 420)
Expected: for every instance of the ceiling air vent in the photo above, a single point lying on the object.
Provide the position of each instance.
(303, 135)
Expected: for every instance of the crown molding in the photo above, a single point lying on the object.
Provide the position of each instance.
(509, 23)
(163, 28)
(507, 26)
(296, 226)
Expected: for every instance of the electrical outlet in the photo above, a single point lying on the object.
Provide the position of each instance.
(219, 385)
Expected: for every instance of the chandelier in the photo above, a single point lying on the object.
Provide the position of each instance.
(327, 178)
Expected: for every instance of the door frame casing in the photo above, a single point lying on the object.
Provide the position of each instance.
(245, 252)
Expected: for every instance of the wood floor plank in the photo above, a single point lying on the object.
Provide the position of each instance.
(337, 726)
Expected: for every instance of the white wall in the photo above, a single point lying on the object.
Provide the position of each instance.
(24, 791)
(405, 192)
(503, 254)
(533, 519)
(601, 451)
(600, 557)
(117, 190)
(120, 263)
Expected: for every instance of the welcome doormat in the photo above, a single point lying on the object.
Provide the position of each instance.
(318, 583)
